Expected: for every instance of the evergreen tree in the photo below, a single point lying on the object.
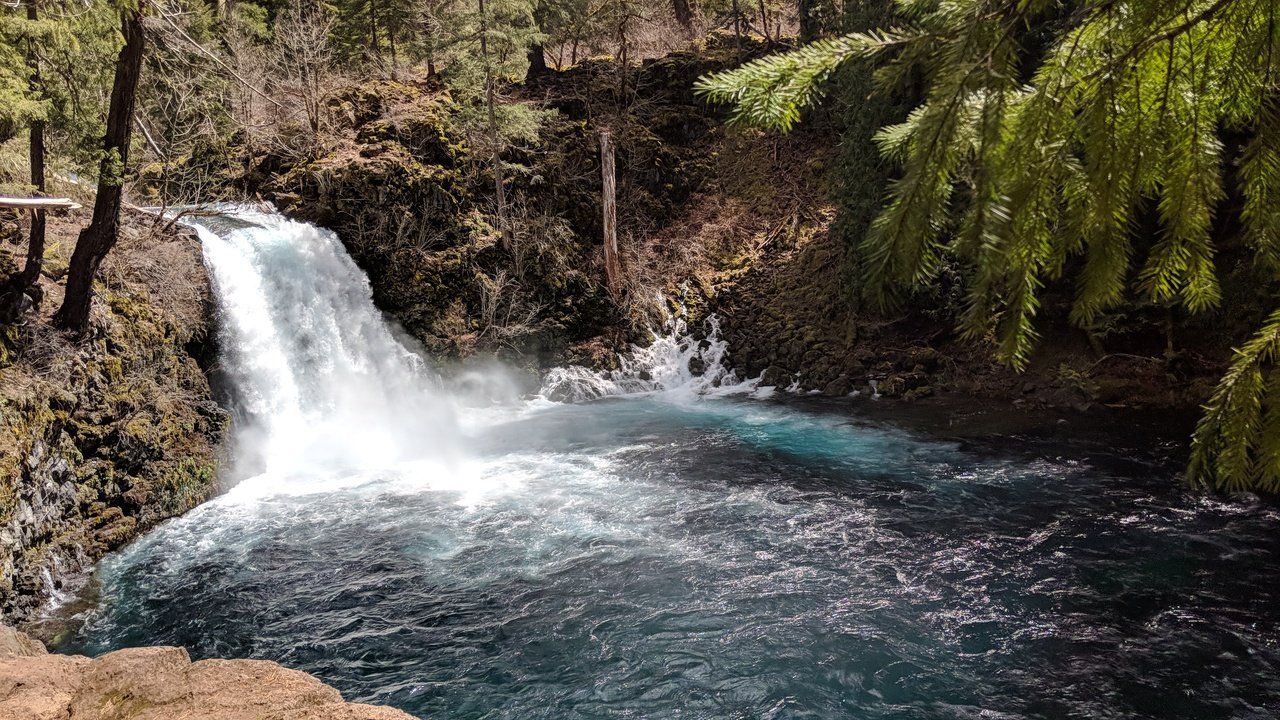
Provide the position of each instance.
(57, 44)
(18, 106)
(1020, 167)
(377, 31)
(18, 285)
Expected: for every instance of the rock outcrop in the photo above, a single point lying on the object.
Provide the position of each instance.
(161, 683)
(103, 438)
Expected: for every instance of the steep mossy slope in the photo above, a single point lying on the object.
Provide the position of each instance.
(413, 203)
(102, 439)
(725, 220)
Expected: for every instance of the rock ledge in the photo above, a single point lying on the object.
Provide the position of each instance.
(157, 683)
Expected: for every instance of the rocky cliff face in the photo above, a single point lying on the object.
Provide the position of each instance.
(161, 683)
(102, 439)
(410, 195)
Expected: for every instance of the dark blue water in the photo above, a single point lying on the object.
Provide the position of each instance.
(727, 559)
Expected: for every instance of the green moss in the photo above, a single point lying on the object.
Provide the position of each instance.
(132, 417)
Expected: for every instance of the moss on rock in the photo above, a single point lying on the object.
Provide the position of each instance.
(105, 438)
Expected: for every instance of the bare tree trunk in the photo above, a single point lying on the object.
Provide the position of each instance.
(737, 27)
(684, 13)
(764, 22)
(609, 182)
(495, 159)
(622, 60)
(391, 39)
(97, 240)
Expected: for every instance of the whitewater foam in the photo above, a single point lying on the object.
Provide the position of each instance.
(677, 364)
(320, 383)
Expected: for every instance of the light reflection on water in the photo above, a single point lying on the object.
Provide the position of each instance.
(721, 558)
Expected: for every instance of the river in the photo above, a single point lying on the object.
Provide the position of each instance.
(654, 544)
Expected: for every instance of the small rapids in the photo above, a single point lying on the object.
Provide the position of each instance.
(655, 542)
(675, 362)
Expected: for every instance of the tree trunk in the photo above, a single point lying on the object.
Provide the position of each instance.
(808, 20)
(392, 27)
(684, 13)
(97, 240)
(764, 22)
(609, 203)
(495, 159)
(622, 62)
(737, 28)
(35, 246)
(537, 60)
(538, 53)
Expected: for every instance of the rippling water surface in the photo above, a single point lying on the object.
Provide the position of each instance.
(725, 558)
(680, 552)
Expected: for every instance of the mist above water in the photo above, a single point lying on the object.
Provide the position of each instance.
(653, 542)
(319, 382)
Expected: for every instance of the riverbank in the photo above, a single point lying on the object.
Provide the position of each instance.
(729, 221)
(161, 683)
(102, 439)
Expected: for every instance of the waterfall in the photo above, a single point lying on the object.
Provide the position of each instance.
(677, 363)
(319, 382)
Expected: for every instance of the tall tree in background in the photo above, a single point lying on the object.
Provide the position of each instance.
(17, 107)
(50, 70)
(480, 52)
(537, 52)
(301, 58)
(500, 190)
(100, 236)
(376, 31)
(20, 282)
(1022, 182)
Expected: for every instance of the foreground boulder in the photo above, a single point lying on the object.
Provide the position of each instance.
(157, 683)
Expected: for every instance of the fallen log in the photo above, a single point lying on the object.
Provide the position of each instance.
(13, 203)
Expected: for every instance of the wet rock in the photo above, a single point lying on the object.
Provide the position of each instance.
(926, 359)
(918, 393)
(898, 385)
(775, 376)
(838, 387)
(93, 458)
(697, 366)
(891, 387)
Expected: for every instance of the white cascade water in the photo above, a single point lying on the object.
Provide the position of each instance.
(320, 383)
(676, 364)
